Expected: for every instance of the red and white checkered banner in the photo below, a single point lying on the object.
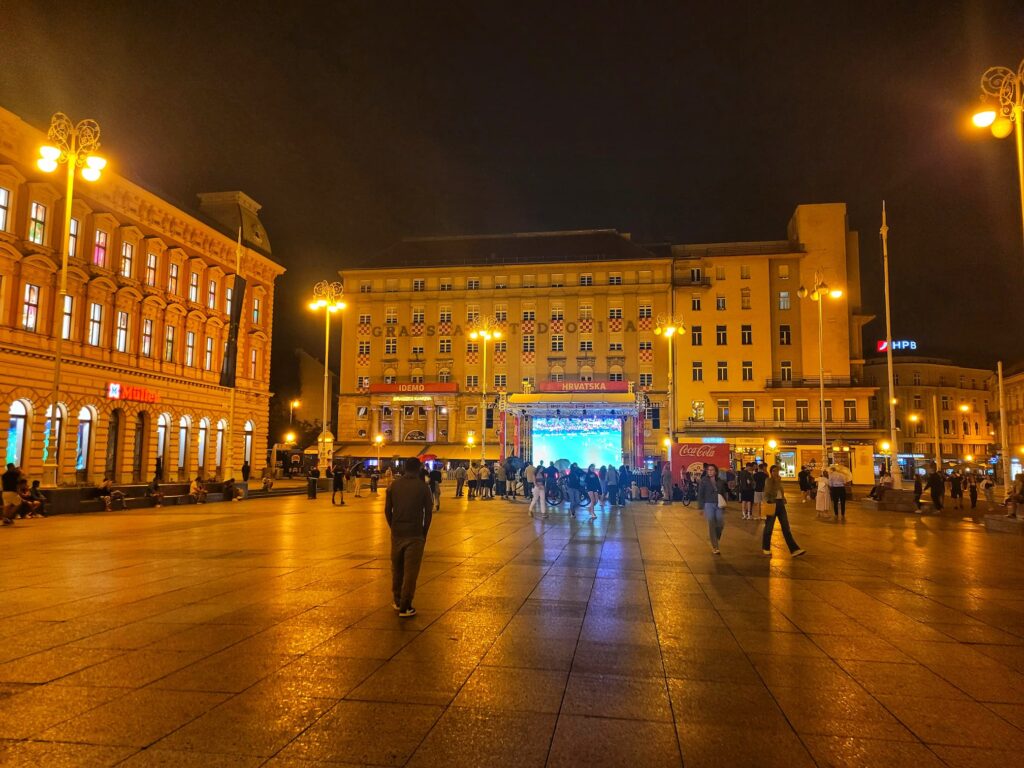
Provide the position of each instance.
(444, 329)
(557, 326)
(364, 329)
(472, 358)
(645, 323)
(499, 357)
(416, 329)
(646, 355)
(586, 325)
(362, 360)
(614, 323)
(527, 326)
(528, 357)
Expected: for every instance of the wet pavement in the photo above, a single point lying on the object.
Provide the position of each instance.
(261, 633)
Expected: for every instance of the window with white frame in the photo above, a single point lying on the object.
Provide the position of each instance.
(501, 346)
(586, 312)
(193, 287)
(72, 238)
(646, 345)
(472, 313)
(645, 311)
(721, 335)
(720, 302)
(803, 411)
(723, 370)
(445, 284)
(366, 286)
(786, 370)
(529, 315)
(362, 382)
(696, 335)
(5, 208)
(99, 248)
(257, 308)
(614, 346)
(146, 347)
(364, 347)
(229, 295)
(473, 284)
(417, 350)
(500, 380)
(557, 312)
(121, 334)
(390, 316)
(444, 345)
(719, 273)
(190, 348)
(745, 298)
(67, 317)
(208, 356)
(558, 281)
(749, 413)
(418, 315)
(744, 272)
(615, 278)
(172, 278)
(30, 307)
(529, 281)
(614, 313)
(127, 259)
(586, 279)
(211, 294)
(37, 223)
(850, 411)
(778, 410)
(472, 382)
(646, 379)
(695, 302)
(501, 281)
(419, 284)
(785, 335)
(391, 346)
(151, 267)
(697, 371)
(586, 345)
(254, 363)
(169, 332)
(747, 369)
(472, 347)
(444, 375)
(784, 302)
(723, 410)
(501, 312)
(615, 376)
(529, 343)
(557, 342)
(95, 324)
(746, 335)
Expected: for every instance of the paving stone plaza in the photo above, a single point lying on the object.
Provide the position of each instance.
(261, 633)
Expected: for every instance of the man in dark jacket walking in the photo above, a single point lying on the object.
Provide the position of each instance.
(408, 507)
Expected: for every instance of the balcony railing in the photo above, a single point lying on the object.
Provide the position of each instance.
(685, 278)
(802, 383)
(771, 424)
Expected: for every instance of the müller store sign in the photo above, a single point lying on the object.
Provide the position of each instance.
(131, 393)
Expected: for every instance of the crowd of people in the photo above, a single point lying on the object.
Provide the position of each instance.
(20, 499)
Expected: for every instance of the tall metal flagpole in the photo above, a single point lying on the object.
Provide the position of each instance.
(894, 467)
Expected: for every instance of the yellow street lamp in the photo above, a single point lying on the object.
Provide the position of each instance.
(773, 444)
(328, 297)
(817, 294)
(1003, 88)
(75, 146)
(289, 437)
(969, 457)
(484, 329)
(964, 408)
(378, 441)
(667, 327)
(291, 409)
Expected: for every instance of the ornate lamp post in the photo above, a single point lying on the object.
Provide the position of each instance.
(1005, 88)
(73, 145)
(817, 294)
(668, 326)
(328, 297)
(485, 329)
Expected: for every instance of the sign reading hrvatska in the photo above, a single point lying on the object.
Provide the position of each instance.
(583, 386)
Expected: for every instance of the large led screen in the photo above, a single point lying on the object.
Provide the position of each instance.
(583, 440)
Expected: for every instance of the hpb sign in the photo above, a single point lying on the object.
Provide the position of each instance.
(897, 346)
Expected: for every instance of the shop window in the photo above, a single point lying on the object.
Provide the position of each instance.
(17, 427)
(37, 223)
(83, 440)
(127, 259)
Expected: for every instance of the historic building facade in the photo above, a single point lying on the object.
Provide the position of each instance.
(578, 313)
(144, 325)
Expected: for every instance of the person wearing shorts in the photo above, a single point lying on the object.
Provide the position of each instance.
(760, 478)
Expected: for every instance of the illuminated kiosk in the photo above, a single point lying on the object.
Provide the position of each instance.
(587, 422)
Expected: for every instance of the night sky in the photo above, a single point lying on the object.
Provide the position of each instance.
(379, 120)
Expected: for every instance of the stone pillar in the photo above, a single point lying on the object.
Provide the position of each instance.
(431, 423)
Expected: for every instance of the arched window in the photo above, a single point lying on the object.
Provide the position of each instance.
(52, 437)
(247, 445)
(204, 432)
(444, 375)
(183, 430)
(162, 425)
(221, 426)
(16, 432)
(586, 373)
(113, 443)
(416, 436)
(416, 376)
(615, 373)
(83, 439)
(557, 373)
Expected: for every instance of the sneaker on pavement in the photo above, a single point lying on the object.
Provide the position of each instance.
(716, 551)
(766, 551)
(408, 612)
(799, 552)
(395, 606)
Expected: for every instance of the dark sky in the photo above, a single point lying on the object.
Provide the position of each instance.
(373, 121)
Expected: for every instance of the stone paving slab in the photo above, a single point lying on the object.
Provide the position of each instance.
(261, 634)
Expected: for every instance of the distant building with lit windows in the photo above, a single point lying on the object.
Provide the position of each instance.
(145, 324)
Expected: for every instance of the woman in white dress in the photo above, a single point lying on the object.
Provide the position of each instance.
(822, 498)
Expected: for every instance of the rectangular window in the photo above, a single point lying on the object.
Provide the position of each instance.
(147, 338)
(615, 313)
(803, 412)
(151, 264)
(646, 379)
(696, 410)
(917, 378)
(947, 429)
(445, 284)
(501, 281)
(211, 294)
(190, 348)
(779, 410)
(723, 410)
(229, 296)
(472, 382)
(472, 313)
(391, 285)
(391, 346)
(586, 312)
(121, 337)
(501, 346)
(193, 287)
(127, 259)
(719, 273)
(696, 275)
(586, 345)
(783, 271)
(5, 208)
(172, 278)
(169, 343)
(646, 345)
(786, 370)
(557, 281)
(30, 307)
(472, 347)
(419, 315)
(362, 382)
(917, 401)
(501, 312)
(614, 346)
(744, 272)
(366, 286)
(208, 357)
(364, 348)
(653, 416)
(37, 223)
(500, 380)
(721, 335)
(698, 370)
(748, 410)
(828, 410)
(748, 370)
(529, 315)
(850, 411)
(557, 343)
(646, 311)
(723, 370)
(417, 350)
(696, 335)
(72, 238)
(615, 376)
(419, 284)
(95, 323)
(444, 346)
(557, 312)
(695, 303)
(364, 318)
(746, 335)
(391, 316)
(720, 303)
(473, 284)
(529, 343)
(254, 363)
(99, 249)
(586, 279)
(785, 335)
(783, 299)
(445, 315)
(946, 402)
(615, 278)
(67, 317)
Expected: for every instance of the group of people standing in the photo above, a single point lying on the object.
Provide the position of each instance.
(936, 483)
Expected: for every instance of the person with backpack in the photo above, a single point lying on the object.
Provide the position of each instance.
(408, 509)
(745, 486)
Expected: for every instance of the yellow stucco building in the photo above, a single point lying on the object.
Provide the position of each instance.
(145, 325)
(578, 313)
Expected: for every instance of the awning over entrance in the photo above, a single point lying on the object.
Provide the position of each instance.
(455, 452)
(574, 403)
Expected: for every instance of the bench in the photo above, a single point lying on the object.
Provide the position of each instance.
(84, 498)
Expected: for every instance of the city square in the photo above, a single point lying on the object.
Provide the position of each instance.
(261, 633)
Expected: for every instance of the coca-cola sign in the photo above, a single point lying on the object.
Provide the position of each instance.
(691, 457)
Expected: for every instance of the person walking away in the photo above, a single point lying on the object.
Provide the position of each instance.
(837, 483)
(551, 481)
(435, 478)
(822, 495)
(956, 489)
(500, 480)
(484, 487)
(374, 479)
(592, 483)
(760, 479)
(602, 475)
(625, 483)
(711, 498)
(408, 509)
(154, 492)
(574, 484)
(918, 490)
(666, 482)
(936, 485)
(988, 487)
(535, 479)
(473, 479)
(745, 486)
(460, 480)
(612, 482)
(804, 480)
(972, 489)
(338, 475)
(775, 497)
(312, 478)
